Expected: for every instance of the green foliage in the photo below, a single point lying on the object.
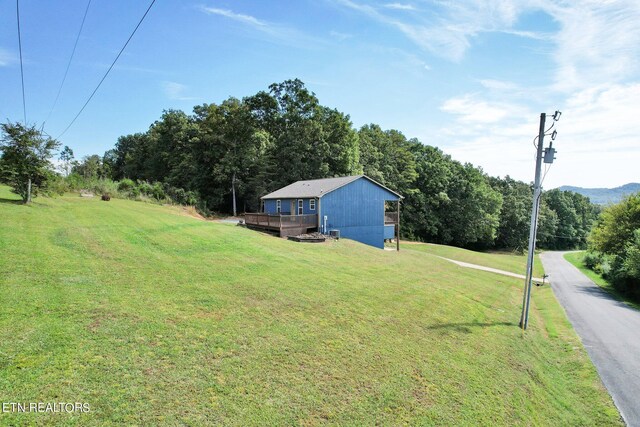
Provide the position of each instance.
(90, 168)
(592, 259)
(66, 157)
(631, 263)
(586, 261)
(515, 214)
(576, 215)
(224, 157)
(126, 185)
(182, 197)
(56, 185)
(616, 226)
(616, 237)
(472, 216)
(25, 158)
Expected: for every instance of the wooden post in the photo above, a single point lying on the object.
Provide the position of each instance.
(398, 228)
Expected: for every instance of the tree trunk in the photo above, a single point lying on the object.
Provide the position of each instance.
(29, 191)
(233, 193)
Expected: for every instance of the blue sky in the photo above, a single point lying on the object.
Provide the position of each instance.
(469, 76)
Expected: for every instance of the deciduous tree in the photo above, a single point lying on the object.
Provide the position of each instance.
(25, 164)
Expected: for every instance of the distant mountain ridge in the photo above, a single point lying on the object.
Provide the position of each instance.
(603, 196)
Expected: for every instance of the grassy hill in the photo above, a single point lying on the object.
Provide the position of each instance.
(153, 317)
(501, 260)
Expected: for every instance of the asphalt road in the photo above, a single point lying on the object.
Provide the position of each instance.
(609, 329)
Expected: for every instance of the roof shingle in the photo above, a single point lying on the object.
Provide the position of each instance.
(317, 187)
(310, 188)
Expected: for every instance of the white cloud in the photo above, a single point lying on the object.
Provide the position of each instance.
(499, 85)
(595, 79)
(598, 138)
(469, 109)
(599, 42)
(448, 28)
(603, 119)
(245, 19)
(399, 6)
(277, 32)
(176, 91)
(6, 58)
(340, 36)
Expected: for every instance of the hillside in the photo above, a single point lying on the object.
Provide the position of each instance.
(153, 318)
(603, 196)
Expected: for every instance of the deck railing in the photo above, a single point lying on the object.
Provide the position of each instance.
(278, 221)
(391, 217)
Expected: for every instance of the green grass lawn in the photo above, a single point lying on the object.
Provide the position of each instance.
(501, 260)
(156, 318)
(576, 258)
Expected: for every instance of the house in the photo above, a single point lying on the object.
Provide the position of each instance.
(351, 206)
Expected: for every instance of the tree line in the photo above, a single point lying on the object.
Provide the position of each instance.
(614, 246)
(227, 155)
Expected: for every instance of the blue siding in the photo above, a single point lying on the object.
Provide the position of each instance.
(357, 210)
(389, 231)
(270, 206)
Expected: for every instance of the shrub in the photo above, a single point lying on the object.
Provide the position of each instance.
(55, 185)
(104, 186)
(182, 197)
(145, 188)
(75, 182)
(157, 191)
(126, 185)
(592, 259)
(134, 192)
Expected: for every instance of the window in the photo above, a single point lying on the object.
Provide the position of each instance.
(312, 204)
(278, 206)
(300, 206)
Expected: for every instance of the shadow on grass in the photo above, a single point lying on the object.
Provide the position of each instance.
(466, 327)
(11, 201)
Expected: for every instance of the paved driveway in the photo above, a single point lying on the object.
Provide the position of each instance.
(609, 329)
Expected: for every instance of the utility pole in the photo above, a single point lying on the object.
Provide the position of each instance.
(537, 192)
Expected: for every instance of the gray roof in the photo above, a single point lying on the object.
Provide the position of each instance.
(317, 187)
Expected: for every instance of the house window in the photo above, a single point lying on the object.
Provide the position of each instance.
(300, 206)
(312, 204)
(278, 206)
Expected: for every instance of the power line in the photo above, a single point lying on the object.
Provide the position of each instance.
(24, 102)
(107, 73)
(55, 102)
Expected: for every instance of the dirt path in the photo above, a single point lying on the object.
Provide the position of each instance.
(489, 269)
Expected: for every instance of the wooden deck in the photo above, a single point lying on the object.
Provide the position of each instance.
(284, 225)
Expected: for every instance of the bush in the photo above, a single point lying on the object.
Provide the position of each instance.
(75, 182)
(157, 191)
(592, 259)
(182, 197)
(126, 185)
(55, 185)
(145, 188)
(617, 237)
